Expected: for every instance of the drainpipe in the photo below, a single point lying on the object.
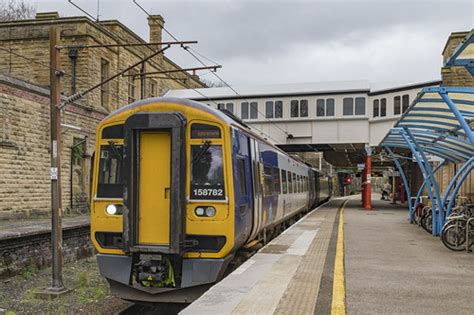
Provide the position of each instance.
(73, 56)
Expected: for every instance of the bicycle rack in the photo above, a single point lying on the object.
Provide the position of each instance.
(467, 233)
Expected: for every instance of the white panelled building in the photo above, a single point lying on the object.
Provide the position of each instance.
(316, 114)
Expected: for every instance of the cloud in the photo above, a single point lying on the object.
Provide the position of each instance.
(261, 42)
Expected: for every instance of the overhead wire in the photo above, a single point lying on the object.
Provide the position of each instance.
(186, 48)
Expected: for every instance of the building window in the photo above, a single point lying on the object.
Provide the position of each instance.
(405, 102)
(230, 107)
(299, 108)
(325, 107)
(376, 108)
(104, 88)
(396, 105)
(348, 106)
(152, 91)
(320, 110)
(132, 87)
(383, 107)
(269, 109)
(278, 109)
(244, 110)
(253, 110)
(294, 107)
(330, 107)
(360, 105)
(304, 108)
(274, 109)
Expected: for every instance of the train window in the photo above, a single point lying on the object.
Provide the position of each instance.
(267, 180)
(241, 176)
(253, 110)
(383, 107)
(293, 176)
(348, 106)
(284, 184)
(113, 132)
(278, 109)
(376, 108)
(396, 105)
(207, 172)
(290, 183)
(204, 131)
(405, 102)
(269, 109)
(304, 108)
(110, 181)
(276, 180)
(244, 110)
(360, 105)
(220, 106)
(330, 107)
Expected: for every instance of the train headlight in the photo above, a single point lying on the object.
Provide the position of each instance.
(210, 211)
(113, 209)
(199, 211)
(205, 211)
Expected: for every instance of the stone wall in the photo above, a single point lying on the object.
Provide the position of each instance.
(456, 77)
(25, 149)
(30, 38)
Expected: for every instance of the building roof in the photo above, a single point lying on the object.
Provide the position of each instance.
(440, 121)
(316, 88)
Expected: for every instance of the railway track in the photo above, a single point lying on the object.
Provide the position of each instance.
(155, 309)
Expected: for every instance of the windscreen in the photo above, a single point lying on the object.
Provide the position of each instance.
(207, 172)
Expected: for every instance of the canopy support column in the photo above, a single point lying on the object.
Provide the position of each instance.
(402, 174)
(468, 165)
(424, 183)
(426, 177)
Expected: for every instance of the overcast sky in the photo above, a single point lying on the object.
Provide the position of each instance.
(265, 42)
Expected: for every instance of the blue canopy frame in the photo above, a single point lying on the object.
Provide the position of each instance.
(439, 122)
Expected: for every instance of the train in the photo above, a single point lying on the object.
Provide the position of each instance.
(179, 188)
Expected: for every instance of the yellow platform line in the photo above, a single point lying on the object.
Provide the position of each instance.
(338, 305)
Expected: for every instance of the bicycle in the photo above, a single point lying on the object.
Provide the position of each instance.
(454, 234)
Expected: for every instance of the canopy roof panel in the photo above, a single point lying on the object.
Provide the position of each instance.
(440, 121)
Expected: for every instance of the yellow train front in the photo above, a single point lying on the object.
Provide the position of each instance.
(177, 188)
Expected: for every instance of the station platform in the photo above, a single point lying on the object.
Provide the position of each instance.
(380, 265)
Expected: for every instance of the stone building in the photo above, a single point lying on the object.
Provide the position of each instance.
(24, 102)
(456, 77)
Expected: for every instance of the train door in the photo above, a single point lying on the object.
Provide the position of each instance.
(154, 183)
(257, 187)
(243, 183)
(153, 178)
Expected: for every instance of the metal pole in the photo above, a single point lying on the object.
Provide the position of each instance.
(57, 286)
(368, 173)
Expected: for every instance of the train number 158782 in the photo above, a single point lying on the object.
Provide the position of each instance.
(208, 192)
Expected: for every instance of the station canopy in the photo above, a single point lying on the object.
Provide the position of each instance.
(440, 121)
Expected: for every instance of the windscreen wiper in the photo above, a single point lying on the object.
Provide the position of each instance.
(115, 150)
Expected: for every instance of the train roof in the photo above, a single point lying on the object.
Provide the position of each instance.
(228, 119)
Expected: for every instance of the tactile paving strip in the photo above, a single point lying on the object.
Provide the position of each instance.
(302, 291)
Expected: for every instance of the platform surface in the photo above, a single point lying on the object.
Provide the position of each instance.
(284, 277)
(390, 267)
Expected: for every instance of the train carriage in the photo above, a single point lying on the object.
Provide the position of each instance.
(178, 188)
